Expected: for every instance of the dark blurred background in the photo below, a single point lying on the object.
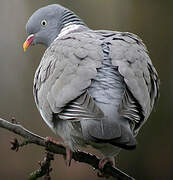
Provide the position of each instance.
(150, 19)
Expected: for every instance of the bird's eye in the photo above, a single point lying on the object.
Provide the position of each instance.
(44, 22)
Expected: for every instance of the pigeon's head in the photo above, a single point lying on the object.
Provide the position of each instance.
(46, 23)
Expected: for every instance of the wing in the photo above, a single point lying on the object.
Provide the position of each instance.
(130, 55)
(64, 74)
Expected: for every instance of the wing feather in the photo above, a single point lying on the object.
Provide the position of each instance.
(64, 74)
(130, 55)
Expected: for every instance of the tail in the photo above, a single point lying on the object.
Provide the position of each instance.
(113, 133)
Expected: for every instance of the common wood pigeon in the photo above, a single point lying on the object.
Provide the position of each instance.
(92, 87)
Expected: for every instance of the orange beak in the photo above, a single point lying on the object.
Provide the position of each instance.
(28, 42)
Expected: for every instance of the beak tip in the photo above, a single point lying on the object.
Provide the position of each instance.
(28, 42)
(24, 49)
(24, 46)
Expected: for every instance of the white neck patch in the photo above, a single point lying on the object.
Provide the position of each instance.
(67, 29)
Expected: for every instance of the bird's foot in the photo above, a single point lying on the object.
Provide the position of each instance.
(69, 153)
(105, 160)
(102, 163)
(53, 141)
(68, 157)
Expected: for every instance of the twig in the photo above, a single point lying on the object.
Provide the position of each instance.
(77, 156)
(44, 169)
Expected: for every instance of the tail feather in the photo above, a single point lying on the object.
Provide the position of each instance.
(112, 133)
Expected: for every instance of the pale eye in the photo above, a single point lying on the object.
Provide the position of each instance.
(44, 22)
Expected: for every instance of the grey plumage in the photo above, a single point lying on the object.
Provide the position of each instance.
(93, 87)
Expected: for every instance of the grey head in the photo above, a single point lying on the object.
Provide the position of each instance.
(47, 22)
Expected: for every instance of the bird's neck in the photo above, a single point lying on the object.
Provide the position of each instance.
(70, 29)
(70, 17)
(69, 22)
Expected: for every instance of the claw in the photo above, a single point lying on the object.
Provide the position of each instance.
(69, 153)
(68, 157)
(53, 141)
(103, 161)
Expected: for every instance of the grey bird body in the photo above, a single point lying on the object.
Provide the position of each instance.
(96, 87)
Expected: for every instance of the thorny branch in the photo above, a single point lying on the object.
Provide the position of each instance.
(31, 138)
